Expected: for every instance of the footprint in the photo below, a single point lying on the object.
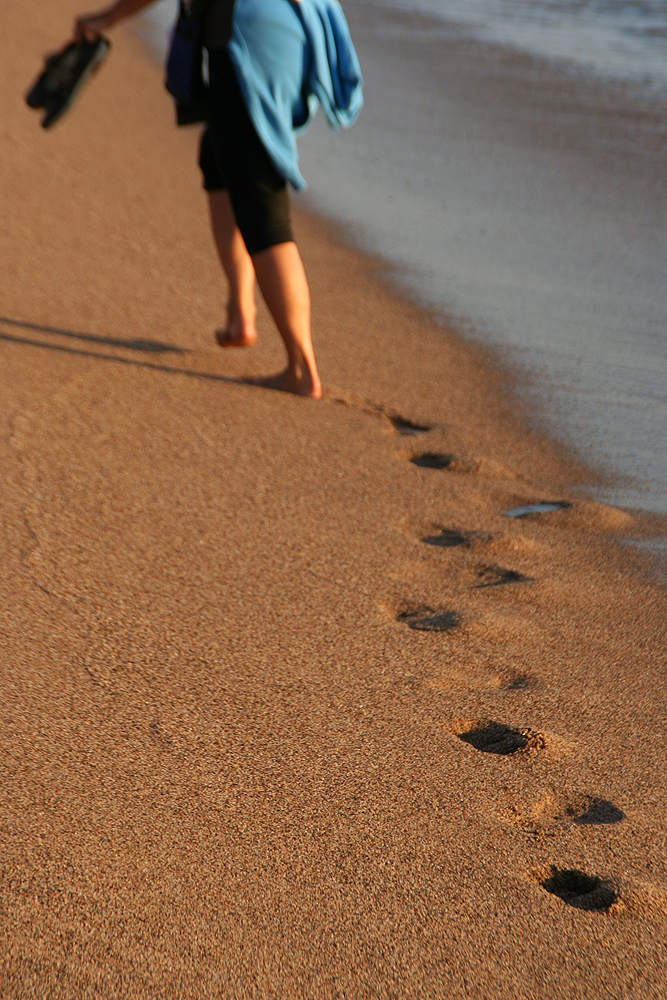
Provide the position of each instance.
(449, 538)
(495, 737)
(496, 576)
(425, 619)
(432, 460)
(594, 812)
(538, 508)
(407, 427)
(584, 892)
(521, 682)
(554, 813)
(583, 514)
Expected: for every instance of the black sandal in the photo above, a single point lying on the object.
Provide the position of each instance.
(64, 74)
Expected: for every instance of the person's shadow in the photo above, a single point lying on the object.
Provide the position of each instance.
(130, 344)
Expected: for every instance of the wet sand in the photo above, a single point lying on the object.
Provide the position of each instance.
(259, 738)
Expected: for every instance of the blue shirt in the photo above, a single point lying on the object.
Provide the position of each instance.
(289, 57)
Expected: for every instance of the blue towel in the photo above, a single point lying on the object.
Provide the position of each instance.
(289, 57)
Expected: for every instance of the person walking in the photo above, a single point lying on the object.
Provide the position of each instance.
(269, 63)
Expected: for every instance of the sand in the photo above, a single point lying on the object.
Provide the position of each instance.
(234, 676)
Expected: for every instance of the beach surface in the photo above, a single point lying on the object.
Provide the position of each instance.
(289, 707)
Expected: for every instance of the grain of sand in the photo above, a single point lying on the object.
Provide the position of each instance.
(230, 767)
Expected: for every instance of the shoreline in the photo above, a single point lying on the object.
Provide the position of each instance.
(524, 200)
(286, 709)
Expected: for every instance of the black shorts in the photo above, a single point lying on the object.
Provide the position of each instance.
(232, 157)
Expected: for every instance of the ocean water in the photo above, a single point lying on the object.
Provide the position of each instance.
(510, 167)
(618, 38)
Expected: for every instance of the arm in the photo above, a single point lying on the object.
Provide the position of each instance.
(88, 27)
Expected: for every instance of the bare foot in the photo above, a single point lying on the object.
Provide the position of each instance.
(229, 338)
(287, 381)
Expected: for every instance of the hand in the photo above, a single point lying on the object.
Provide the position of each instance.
(89, 27)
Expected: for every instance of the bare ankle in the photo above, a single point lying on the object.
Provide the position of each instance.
(240, 329)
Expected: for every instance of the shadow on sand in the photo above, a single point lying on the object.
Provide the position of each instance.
(148, 346)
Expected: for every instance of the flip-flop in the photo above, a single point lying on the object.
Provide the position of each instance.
(64, 74)
(44, 86)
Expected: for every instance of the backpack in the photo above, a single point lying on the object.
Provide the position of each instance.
(184, 66)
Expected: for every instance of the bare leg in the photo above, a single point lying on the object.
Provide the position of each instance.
(237, 265)
(283, 283)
